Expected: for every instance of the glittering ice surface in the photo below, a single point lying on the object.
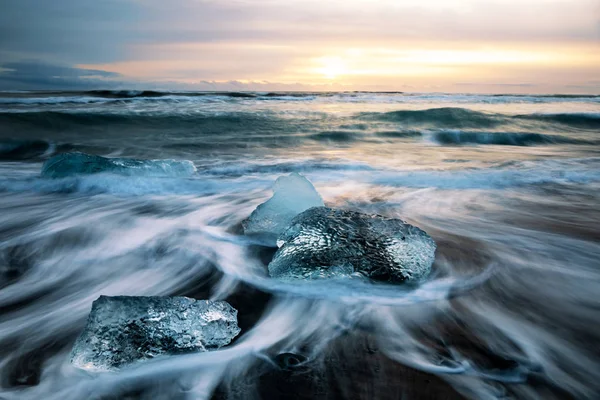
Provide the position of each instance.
(122, 330)
(328, 243)
(292, 195)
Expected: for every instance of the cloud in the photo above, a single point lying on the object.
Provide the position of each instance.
(184, 41)
(500, 85)
(37, 75)
(43, 76)
(67, 31)
(590, 85)
(95, 32)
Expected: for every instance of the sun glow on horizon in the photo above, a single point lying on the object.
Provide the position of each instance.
(428, 66)
(331, 67)
(349, 66)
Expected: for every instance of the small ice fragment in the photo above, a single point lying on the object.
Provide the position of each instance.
(328, 243)
(122, 330)
(292, 195)
(68, 164)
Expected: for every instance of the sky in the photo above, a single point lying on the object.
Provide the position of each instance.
(498, 46)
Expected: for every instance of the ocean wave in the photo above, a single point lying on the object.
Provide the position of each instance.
(63, 120)
(450, 117)
(336, 136)
(284, 167)
(516, 175)
(162, 98)
(457, 137)
(295, 94)
(123, 96)
(579, 120)
(456, 117)
(240, 142)
(179, 118)
(244, 177)
(132, 96)
(49, 98)
(128, 94)
(326, 94)
(52, 100)
(399, 134)
(13, 150)
(106, 183)
(550, 96)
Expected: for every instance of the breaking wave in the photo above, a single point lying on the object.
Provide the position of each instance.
(50, 98)
(69, 120)
(451, 117)
(113, 184)
(398, 134)
(516, 174)
(224, 178)
(580, 120)
(337, 136)
(220, 122)
(283, 167)
(128, 94)
(456, 137)
(25, 149)
(454, 117)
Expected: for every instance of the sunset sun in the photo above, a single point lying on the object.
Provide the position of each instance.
(331, 67)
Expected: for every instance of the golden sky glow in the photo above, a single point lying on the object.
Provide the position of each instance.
(395, 67)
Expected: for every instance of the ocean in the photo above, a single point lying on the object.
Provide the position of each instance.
(507, 186)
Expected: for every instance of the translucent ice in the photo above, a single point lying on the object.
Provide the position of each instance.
(328, 243)
(292, 195)
(122, 330)
(68, 164)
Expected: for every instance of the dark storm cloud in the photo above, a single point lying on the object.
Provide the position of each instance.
(40, 75)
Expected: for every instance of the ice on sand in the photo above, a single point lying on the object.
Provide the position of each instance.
(122, 330)
(329, 243)
(292, 195)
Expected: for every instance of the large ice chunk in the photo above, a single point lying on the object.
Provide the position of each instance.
(68, 164)
(328, 243)
(292, 194)
(122, 330)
